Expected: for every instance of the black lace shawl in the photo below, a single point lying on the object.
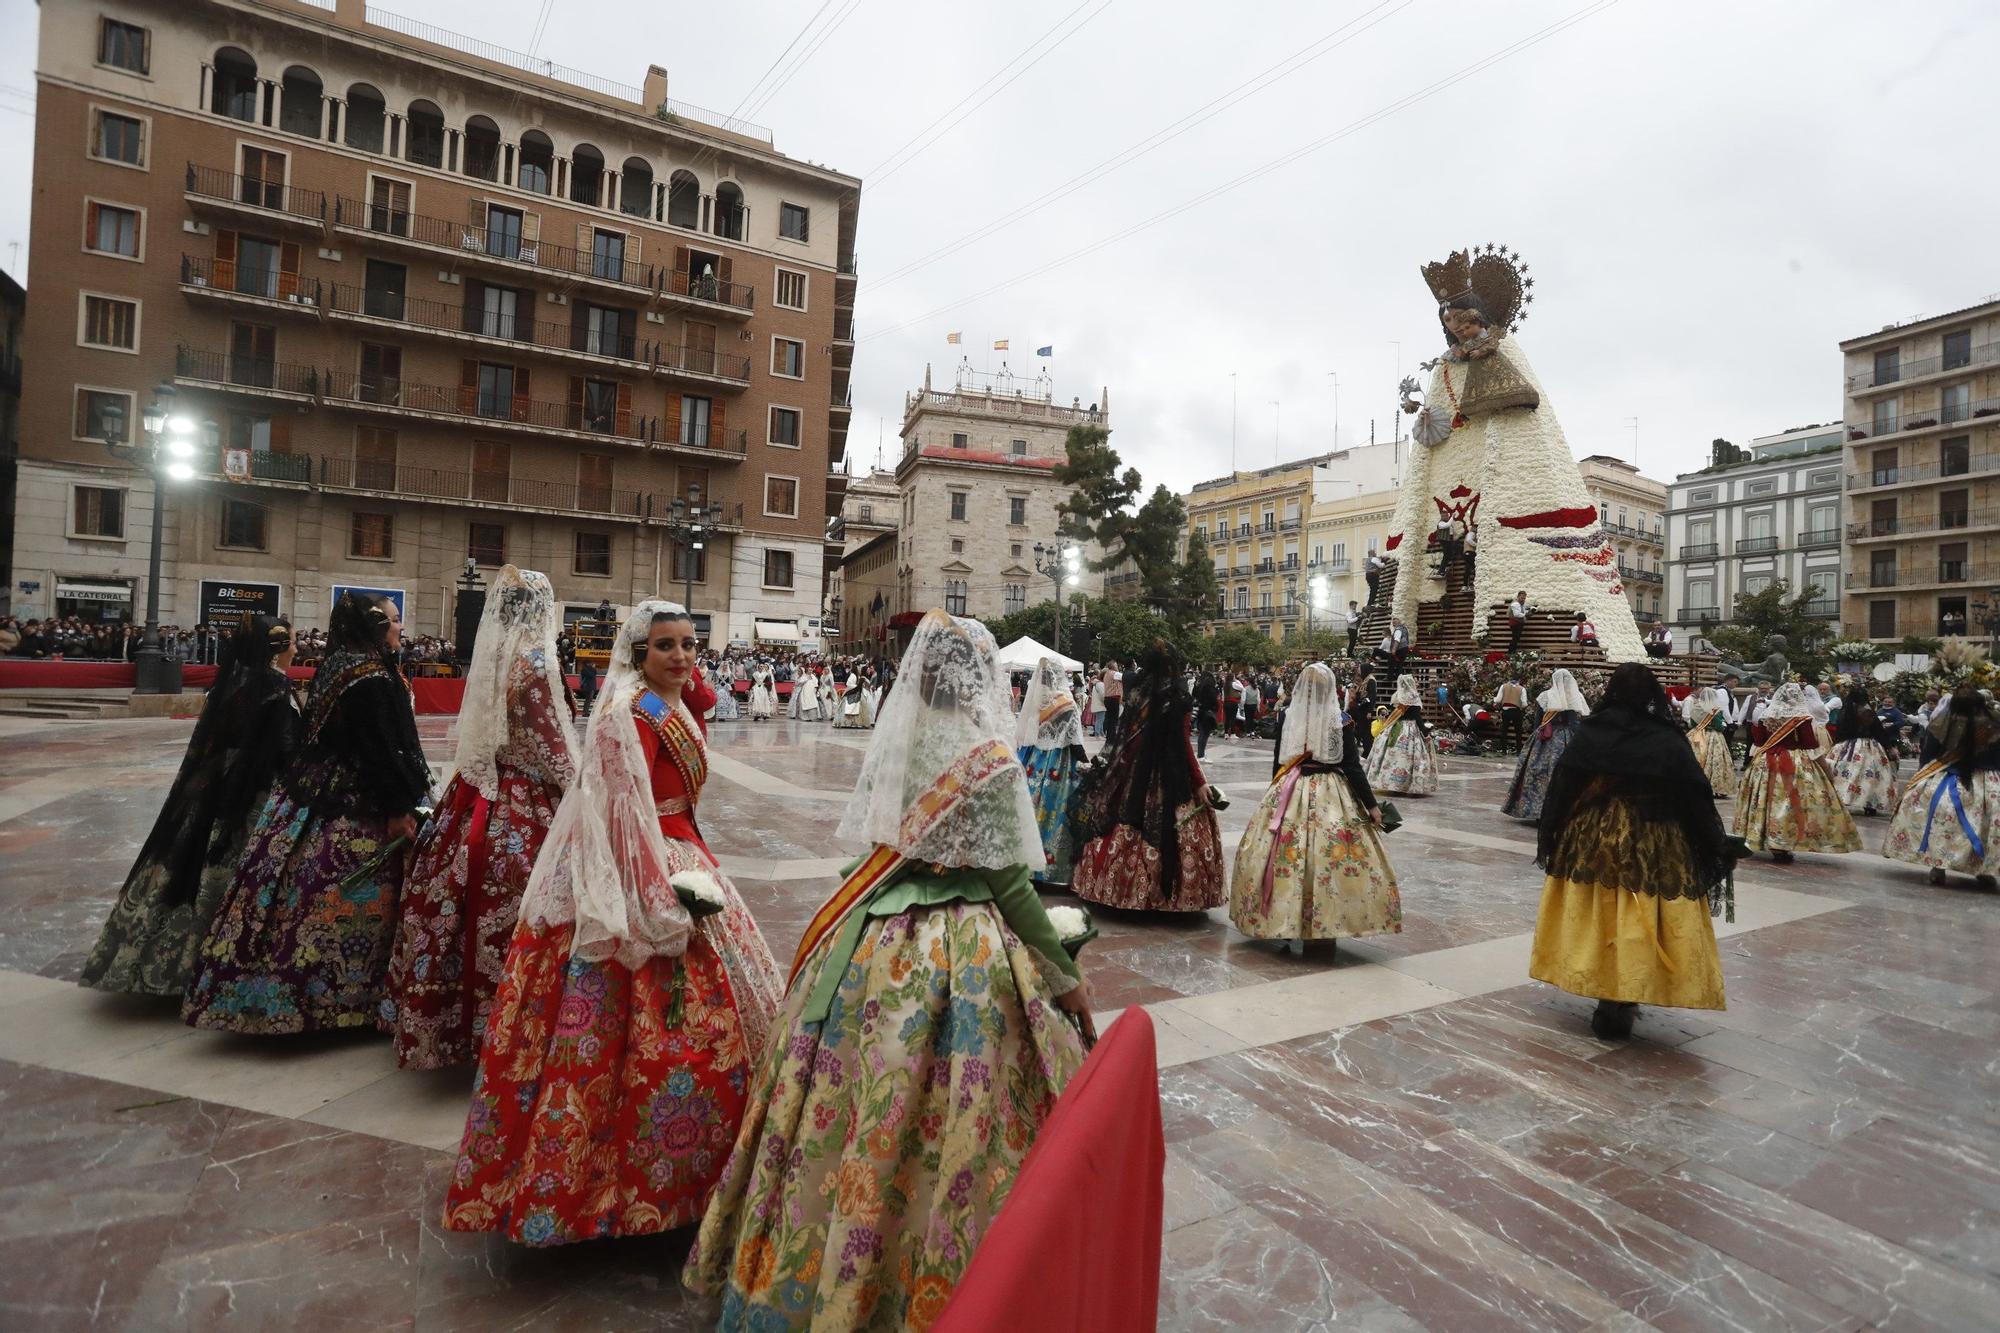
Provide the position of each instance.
(361, 753)
(1858, 721)
(1654, 768)
(1152, 773)
(248, 729)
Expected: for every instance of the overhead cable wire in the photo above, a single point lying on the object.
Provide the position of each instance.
(1229, 186)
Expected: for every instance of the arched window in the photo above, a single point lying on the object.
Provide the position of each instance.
(586, 175)
(538, 159)
(236, 93)
(365, 117)
(684, 200)
(302, 97)
(482, 149)
(424, 143)
(635, 189)
(729, 211)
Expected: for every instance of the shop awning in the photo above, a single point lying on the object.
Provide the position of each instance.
(776, 631)
(94, 592)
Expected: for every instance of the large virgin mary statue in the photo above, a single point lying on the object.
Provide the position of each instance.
(1491, 455)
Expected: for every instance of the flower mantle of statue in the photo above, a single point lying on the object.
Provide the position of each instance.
(1492, 455)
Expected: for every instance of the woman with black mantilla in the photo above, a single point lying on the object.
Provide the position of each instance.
(248, 729)
(1637, 862)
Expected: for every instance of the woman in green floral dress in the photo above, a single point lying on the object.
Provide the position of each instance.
(920, 1049)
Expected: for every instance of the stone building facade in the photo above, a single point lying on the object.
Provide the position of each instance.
(868, 510)
(1632, 508)
(429, 304)
(978, 492)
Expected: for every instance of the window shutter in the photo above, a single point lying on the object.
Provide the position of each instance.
(521, 393)
(472, 311)
(281, 435)
(531, 229)
(586, 260)
(672, 420)
(475, 211)
(622, 423)
(715, 419)
(628, 332)
(632, 247)
(90, 226)
(225, 254)
(681, 269)
(725, 270)
(576, 402)
(288, 269)
(468, 386)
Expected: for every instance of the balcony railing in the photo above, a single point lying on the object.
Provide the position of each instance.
(1265, 567)
(1690, 614)
(1814, 538)
(1930, 365)
(224, 275)
(245, 372)
(1288, 525)
(1917, 525)
(265, 466)
(1704, 551)
(1632, 573)
(1823, 608)
(480, 487)
(1755, 545)
(1963, 466)
(696, 287)
(273, 196)
(1929, 418)
(439, 317)
(466, 401)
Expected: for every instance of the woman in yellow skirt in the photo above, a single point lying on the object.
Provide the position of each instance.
(1637, 862)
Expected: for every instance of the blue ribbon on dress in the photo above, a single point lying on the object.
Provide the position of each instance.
(1949, 783)
(652, 705)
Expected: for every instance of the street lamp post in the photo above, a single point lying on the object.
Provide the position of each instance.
(167, 454)
(1060, 563)
(688, 521)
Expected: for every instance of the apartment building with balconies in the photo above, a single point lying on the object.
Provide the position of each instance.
(1922, 439)
(1753, 517)
(430, 302)
(1632, 508)
(978, 495)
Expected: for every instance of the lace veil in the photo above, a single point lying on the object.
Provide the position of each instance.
(516, 642)
(605, 866)
(1788, 701)
(1313, 720)
(1563, 696)
(1048, 692)
(1406, 695)
(949, 715)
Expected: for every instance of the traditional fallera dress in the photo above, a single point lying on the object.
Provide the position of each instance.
(463, 894)
(1048, 739)
(248, 730)
(920, 1050)
(763, 695)
(806, 692)
(1864, 765)
(1149, 837)
(302, 938)
(1787, 801)
(1563, 710)
(1948, 817)
(1637, 863)
(1404, 760)
(1311, 865)
(854, 709)
(726, 708)
(620, 1046)
(1708, 737)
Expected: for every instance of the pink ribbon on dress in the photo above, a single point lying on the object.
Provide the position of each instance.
(1286, 786)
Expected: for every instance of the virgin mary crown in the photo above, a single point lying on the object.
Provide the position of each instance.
(1492, 276)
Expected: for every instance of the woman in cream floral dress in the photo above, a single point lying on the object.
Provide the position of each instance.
(1311, 865)
(1949, 816)
(1787, 802)
(920, 1050)
(1404, 761)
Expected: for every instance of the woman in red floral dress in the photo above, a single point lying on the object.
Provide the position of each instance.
(515, 759)
(618, 1054)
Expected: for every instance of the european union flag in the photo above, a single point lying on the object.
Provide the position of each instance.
(1050, 350)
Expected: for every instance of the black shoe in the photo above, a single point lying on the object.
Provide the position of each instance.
(1612, 1019)
(1937, 874)
(1782, 858)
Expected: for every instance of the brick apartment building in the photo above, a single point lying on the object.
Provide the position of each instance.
(425, 307)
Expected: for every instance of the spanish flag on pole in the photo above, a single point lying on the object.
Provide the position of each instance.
(999, 344)
(951, 339)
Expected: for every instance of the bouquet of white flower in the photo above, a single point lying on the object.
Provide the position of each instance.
(699, 893)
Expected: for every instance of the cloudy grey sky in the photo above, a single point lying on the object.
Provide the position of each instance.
(1712, 193)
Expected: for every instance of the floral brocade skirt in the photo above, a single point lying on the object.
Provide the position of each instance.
(1864, 775)
(460, 901)
(1787, 803)
(1320, 874)
(1532, 774)
(1405, 764)
(1052, 783)
(1948, 822)
(150, 946)
(1121, 869)
(606, 1098)
(1598, 939)
(1711, 751)
(291, 949)
(880, 1144)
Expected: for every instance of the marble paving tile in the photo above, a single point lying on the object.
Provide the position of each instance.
(1280, 1010)
(423, 1107)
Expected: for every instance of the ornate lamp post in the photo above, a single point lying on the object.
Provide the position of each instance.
(688, 522)
(1062, 564)
(168, 453)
